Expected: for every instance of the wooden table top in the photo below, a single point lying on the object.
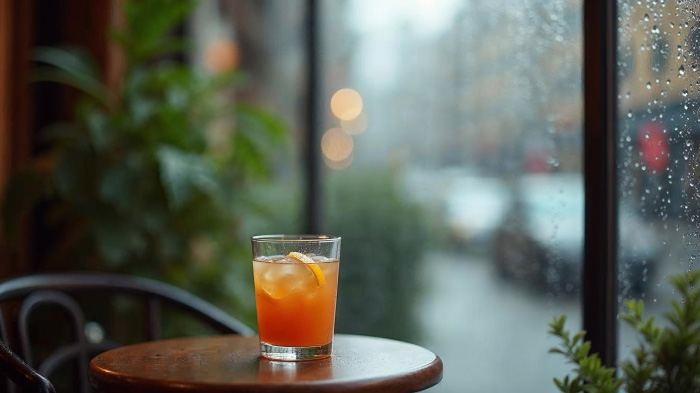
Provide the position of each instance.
(233, 364)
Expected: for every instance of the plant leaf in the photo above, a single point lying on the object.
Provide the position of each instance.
(182, 174)
(72, 61)
(85, 84)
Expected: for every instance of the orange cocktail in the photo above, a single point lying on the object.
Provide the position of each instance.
(295, 295)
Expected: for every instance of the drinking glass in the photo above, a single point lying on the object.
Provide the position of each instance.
(296, 281)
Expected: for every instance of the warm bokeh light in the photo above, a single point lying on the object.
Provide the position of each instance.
(336, 145)
(221, 55)
(346, 104)
(355, 126)
(338, 165)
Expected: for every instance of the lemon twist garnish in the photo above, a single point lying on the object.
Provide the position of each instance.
(306, 260)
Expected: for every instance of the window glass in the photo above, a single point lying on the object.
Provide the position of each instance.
(452, 146)
(658, 150)
(265, 41)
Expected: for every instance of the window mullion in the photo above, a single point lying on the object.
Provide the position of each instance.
(600, 243)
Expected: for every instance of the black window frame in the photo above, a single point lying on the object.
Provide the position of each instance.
(600, 177)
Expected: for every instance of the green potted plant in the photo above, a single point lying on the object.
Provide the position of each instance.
(152, 179)
(666, 361)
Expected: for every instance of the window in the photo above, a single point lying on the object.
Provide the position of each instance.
(266, 41)
(450, 144)
(658, 149)
(454, 174)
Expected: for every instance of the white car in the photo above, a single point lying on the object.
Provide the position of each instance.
(475, 207)
(540, 239)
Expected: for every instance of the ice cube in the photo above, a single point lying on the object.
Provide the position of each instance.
(302, 279)
(279, 279)
(321, 259)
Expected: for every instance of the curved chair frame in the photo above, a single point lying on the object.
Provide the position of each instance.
(53, 289)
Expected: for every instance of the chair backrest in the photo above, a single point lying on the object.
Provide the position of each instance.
(59, 291)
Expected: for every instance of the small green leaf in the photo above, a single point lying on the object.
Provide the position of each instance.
(182, 174)
(583, 350)
(87, 85)
(560, 385)
(73, 61)
(262, 121)
(99, 131)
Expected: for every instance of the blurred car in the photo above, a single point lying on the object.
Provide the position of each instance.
(475, 206)
(540, 240)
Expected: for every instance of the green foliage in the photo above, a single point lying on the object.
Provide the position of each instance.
(666, 361)
(669, 359)
(152, 179)
(385, 236)
(591, 376)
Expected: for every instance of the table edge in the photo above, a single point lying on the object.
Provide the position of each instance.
(415, 380)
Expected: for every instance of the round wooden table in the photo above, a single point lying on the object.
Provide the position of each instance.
(233, 364)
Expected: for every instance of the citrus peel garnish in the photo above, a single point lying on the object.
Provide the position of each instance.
(315, 269)
(274, 295)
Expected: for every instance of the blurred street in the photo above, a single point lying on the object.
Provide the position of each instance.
(493, 332)
(480, 326)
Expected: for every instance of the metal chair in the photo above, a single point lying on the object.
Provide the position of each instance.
(54, 290)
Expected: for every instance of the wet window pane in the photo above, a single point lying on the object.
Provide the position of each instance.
(452, 146)
(658, 150)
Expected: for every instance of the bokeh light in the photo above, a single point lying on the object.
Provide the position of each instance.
(221, 55)
(346, 104)
(336, 145)
(338, 165)
(355, 126)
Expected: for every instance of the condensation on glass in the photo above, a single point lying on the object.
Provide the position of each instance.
(452, 149)
(659, 129)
